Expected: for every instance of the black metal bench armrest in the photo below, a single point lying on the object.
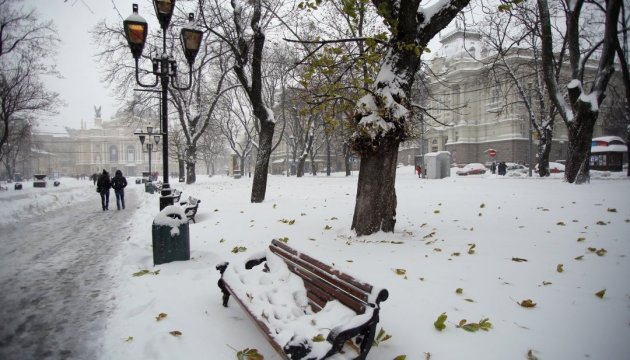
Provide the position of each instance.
(366, 332)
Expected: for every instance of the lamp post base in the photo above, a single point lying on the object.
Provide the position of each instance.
(166, 197)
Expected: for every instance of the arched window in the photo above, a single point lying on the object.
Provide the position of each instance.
(113, 153)
(131, 154)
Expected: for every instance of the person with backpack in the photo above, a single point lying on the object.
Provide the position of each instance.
(119, 183)
(102, 187)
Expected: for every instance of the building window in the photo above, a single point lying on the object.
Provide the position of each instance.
(113, 153)
(434, 145)
(131, 154)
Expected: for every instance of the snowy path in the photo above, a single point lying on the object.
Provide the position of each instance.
(55, 279)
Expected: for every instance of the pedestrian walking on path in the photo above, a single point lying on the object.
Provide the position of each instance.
(119, 183)
(102, 187)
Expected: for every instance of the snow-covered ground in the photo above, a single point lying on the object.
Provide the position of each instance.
(500, 240)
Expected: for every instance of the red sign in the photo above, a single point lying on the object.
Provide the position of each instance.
(492, 153)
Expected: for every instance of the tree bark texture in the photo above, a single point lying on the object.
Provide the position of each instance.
(259, 185)
(375, 207)
(543, 151)
(579, 152)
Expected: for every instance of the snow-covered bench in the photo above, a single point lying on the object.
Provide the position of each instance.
(190, 207)
(306, 309)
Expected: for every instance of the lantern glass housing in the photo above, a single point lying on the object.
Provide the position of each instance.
(156, 138)
(136, 29)
(164, 11)
(191, 39)
(141, 139)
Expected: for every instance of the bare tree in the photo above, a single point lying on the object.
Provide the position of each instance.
(26, 45)
(584, 97)
(515, 64)
(236, 123)
(247, 49)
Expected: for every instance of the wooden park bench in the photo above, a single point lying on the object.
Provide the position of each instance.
(190, 207)
(177, 194)
(305, 308)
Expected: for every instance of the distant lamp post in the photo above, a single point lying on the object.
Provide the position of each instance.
(149, 145)
(163, 67)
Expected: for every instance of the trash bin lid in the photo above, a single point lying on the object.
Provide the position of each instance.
(171, 215)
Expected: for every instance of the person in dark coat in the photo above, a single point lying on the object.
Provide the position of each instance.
(119, 183)
(102, 187)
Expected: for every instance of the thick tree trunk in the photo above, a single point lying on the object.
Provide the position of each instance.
(544, 149)
(190, 173)
(579, 153)
(375, 207)
(300, 166)
(265, 139)
(191, 155)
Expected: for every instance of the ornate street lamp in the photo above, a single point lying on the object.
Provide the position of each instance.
(149, 146)
(163, 67)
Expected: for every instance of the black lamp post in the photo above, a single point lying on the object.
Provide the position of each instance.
(149, 146)
(164, 68)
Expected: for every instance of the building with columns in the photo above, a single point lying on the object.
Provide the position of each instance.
(112, 145)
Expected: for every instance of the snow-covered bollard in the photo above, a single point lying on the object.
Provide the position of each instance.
(171, 237)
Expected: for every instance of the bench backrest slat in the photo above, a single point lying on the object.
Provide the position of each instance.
(323, 267)
(324, 285)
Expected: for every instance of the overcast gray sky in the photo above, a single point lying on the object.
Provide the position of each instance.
(80, 88)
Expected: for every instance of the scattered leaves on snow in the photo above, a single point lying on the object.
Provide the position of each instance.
(483, 324)
(146, 272)
(439, 323)
(249, 354)
(531, 356)
(161, 316)
(519, 259)
(381, 337)
(527, 303)
(560, 268)
(175, 333)
(238, 249)
(600, 294)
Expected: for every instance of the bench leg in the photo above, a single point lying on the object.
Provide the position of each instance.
(368, 339)
(226, 293)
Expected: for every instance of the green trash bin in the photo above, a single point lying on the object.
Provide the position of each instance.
(171, 236)
(148, 187)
